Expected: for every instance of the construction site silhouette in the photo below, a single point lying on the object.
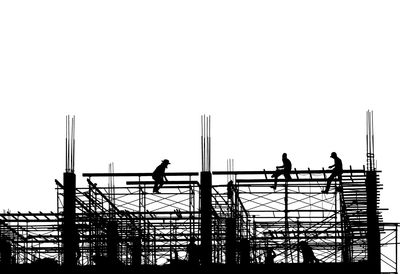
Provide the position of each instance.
(206, 221)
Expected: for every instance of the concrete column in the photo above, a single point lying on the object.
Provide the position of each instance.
(69, 231)
(373, 235)
(206, 209)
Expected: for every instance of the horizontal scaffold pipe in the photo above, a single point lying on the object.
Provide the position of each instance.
(169, 183)
(283, 180)
(299, 172)
(137, 174)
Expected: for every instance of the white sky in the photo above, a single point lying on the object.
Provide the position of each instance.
(276, 76)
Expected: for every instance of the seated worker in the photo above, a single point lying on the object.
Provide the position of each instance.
(283, 169)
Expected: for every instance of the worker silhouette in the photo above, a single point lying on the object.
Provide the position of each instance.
(308, 253)
(336, 171)
(270, 255)
(193, 252)
(230, 188)
(159, 175)
(283, 169)
(5, 252)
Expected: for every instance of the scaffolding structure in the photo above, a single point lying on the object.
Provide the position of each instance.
(233, 216)
(150, 229)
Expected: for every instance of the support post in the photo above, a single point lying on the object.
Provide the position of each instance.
(286, 243)
(206, 207)
(69, 231)
(373, 235)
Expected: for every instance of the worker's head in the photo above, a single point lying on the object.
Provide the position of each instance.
(333, 155)
(284, 156)
(165, 162)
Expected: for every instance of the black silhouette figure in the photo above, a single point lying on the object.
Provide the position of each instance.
(159, 175)
(229, 188)
(308, 253)
(193, 253)
(270, 255)
(175, 259)
(283, 169)
(336, 171)
(135, 249)
(5, 252)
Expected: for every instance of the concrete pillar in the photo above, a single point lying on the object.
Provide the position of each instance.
(206, 209)
(69, 231)
(373, 235)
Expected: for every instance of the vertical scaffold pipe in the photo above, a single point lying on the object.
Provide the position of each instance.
(205, 203)
(373, 235)
(286, 223)
(69, 232)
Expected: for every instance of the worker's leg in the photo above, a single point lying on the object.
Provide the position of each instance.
(156, 185)
(276, 175)
(328, 182)
(340, 187)
(161, 183)
(287, 176)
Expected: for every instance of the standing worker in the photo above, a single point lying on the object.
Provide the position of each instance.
(308, 253)
(193, 252)
(230, 189)
(159, 175)
(336, 171)
(283, 169)
(270, 255)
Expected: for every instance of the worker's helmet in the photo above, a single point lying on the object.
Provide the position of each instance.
(166, 161)
(284, 155)
(333, 155)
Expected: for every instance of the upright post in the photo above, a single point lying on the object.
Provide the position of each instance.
(205, 192)
(373, 235)
(286, 222)
(69, 231)
(70, 236)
